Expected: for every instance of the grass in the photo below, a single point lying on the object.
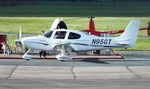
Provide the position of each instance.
(142, 44)
(35, 25)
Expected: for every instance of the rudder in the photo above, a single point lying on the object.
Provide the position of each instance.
(130, 33)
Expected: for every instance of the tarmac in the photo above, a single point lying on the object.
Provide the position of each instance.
(136, 65)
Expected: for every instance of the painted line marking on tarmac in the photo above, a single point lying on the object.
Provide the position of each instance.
(11, 73)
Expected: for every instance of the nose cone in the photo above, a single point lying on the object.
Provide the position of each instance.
(26, 40)
(37, 42)
(29, 40)
(23, 40)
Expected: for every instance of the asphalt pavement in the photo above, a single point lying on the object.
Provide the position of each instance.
(74, 84)
(133, 72)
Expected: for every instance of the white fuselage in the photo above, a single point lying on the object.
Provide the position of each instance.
(78, 41)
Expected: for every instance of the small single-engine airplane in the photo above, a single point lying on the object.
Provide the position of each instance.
(72, 40)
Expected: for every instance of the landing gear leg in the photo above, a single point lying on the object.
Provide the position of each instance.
(27, 56)
(62, 56)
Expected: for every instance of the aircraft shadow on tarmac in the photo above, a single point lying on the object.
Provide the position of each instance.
(91, 60)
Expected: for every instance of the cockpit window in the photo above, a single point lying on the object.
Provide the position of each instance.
(60, 35)
(74, 36)
(48, 34)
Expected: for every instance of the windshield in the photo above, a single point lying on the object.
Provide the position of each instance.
(48, 34)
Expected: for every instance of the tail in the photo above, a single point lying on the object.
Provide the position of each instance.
(129, 36)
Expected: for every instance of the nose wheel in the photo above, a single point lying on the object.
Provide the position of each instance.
(62, 56)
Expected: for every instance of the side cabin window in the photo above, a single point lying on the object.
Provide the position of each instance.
(74, 36)
(60, 35)
(48, 34)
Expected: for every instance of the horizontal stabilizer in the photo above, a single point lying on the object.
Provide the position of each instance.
(124, 42)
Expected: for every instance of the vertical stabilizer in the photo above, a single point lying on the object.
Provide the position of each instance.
(129, 36)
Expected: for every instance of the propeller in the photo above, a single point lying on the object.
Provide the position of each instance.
(19, 36)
